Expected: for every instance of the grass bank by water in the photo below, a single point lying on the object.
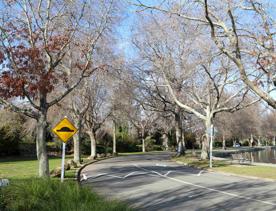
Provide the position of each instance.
(227, 167)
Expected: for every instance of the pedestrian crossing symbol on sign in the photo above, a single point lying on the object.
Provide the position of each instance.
(64, 130)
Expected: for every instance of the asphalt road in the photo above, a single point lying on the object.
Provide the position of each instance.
(153, 182)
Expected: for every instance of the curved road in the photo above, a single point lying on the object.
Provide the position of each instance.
(152, 182)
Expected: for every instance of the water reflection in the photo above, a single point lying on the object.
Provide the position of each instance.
(268, 155)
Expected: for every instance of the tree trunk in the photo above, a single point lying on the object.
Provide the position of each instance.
(274, 141)
(143, 143)
(223, 143)
(143, 140)
(206, 139)
(251, 157)
(193, 150)
(165, 141)
(259, 141)
(183, 145)
(114, 138)
(251, 140)
(93, 144)
(178, 133)
(205, 147)
(77, 139)
(41, 150)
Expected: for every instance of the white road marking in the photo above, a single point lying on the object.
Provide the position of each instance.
(115, 176)
(167, 173)
(200, 173)
(84, 177)
(191, 196)
(206, 188)
(163, 165)
(130, 174)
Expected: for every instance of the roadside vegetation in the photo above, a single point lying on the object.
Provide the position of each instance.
(45, 194)
(28, 192)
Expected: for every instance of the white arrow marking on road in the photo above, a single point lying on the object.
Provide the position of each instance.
(167, 173)
(200, 173)
(84, 177)
(130, 174)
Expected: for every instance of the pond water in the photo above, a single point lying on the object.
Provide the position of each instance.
(268, 155)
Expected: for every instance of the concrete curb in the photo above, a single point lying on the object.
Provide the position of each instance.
(78, 173)
(226, 173)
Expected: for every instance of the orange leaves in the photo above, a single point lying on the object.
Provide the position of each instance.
(2, 57)
(11, 86)
(57, 43)
(33, 60)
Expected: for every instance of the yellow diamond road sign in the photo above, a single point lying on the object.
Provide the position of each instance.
(64, 129)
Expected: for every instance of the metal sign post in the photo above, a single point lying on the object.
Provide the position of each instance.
(62, 162)
(64, 130)
(211, 146)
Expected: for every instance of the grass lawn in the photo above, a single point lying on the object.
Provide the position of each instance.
(23, 168)
(224, 166)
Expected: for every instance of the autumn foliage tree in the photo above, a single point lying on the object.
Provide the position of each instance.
(46, 50)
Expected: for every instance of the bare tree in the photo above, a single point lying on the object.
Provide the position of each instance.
(250, 46)
(79, 105)
(39, 60)
(99, 109)
(269, 124)
(258, 75)
(211, 86)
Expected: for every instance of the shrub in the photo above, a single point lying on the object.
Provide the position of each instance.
(217, 144)
(85, 147)
(127, 145)
(102, 149)
(229, 143)
(157, 148)
(9, 141)
(190, 140)
(27, 149)
(125, 141)
(245, 143)
(11, 132)
(53, 195)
